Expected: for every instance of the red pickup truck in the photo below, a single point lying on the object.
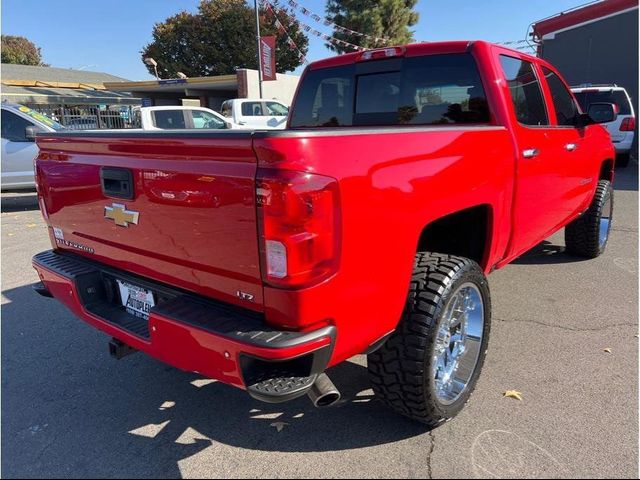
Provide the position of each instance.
(260, 259)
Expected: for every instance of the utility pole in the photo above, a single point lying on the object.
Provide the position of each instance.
(259, 49)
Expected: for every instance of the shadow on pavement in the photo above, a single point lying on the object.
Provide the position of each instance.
(138, 417)
(626, 178)
(546, 253)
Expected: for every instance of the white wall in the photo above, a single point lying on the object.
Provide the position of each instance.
(190, 102)
(281, 89)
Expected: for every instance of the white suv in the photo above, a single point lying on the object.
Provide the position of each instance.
(622, 129)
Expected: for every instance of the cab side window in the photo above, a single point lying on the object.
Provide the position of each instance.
(276, 109)
(13, 127)
(566, 109)
(525, 90)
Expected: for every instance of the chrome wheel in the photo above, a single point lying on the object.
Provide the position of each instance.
(458, 343)
(605, 222)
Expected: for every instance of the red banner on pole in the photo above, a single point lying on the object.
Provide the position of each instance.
(268, 57)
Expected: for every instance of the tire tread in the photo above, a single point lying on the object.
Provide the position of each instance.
(581, 236)
(397, 369)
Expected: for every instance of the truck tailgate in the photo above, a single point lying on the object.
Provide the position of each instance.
(190, 219)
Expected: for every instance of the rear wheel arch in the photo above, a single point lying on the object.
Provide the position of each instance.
(466, 233)
(606, 170)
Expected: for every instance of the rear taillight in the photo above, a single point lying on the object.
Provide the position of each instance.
(628, 124)
(299, 227)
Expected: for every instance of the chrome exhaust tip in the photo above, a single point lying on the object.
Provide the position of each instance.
(323, 393)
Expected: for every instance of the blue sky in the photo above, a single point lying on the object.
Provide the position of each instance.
(107, 36)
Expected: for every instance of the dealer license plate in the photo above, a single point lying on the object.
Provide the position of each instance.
(137, 300)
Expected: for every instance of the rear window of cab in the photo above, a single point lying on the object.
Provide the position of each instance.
(587, 97)
(427, 90)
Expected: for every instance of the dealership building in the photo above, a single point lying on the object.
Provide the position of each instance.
(596, 43)
(209, 91)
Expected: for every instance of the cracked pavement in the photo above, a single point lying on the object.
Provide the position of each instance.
(69, 410)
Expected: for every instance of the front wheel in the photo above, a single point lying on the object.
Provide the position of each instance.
(429, 366)
(588, 234)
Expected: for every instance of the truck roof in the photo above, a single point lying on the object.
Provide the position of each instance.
(411, 50)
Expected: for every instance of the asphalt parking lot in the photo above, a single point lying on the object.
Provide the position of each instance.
(69, 410)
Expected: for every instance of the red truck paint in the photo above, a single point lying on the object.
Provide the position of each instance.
(199, 232)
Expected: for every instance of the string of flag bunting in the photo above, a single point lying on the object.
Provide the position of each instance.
(329, 38)
(512, 42)
(282, 29)
(328, 23)
(309, 29)
(522, 44)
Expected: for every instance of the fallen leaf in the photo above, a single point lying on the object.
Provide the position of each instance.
(167, 405)
(279, 425)
(607, 350)
(10, 234)
(513, 394)
(32, 225)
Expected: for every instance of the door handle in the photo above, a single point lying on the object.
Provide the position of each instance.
(570, 147)
(530, 152)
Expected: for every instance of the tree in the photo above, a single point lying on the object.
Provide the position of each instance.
(20, 50)
(220, 38)
(390, 19)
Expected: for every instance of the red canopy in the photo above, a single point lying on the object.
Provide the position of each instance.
(581, 15)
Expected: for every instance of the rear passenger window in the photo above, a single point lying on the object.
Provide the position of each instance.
(565, 106)
(252, 109)
(526, 94)
(427, 90)
(169, 119)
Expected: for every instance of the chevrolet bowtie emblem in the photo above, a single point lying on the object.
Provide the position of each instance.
(120, 215)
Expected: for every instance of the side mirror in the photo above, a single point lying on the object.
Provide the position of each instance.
(30, 133)
(602, 112)
(227, 125)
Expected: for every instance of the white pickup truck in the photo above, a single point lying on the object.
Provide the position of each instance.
(182, 117)
(256, 113)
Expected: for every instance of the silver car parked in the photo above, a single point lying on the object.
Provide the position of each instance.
(19, 126)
